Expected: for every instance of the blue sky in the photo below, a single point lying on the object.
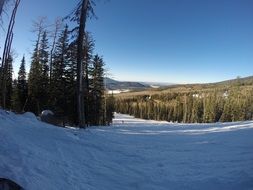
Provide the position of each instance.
(179, 41)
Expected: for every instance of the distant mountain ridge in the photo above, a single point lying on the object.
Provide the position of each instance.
(111, 84)
(244, 80)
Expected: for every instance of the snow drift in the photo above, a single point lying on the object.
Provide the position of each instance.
(131, 154)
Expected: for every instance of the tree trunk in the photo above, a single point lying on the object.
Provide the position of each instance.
(57, 28)
(80, 58)
(6, 52)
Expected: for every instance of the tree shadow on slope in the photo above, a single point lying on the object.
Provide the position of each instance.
(7, 184)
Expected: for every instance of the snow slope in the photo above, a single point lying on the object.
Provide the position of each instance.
(131, 154)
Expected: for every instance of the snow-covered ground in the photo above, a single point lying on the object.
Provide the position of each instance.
(131, 154)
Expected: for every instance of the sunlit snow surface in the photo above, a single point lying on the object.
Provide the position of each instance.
(131, 154)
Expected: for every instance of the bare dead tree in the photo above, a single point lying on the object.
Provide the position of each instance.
(39, 27)
(6, 52)
(57, 27)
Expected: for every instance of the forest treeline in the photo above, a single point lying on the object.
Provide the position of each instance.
(52, 80)
(219, 104)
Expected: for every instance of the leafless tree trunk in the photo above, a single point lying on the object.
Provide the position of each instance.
(80, 58)
(6, 52)
(57, 25)
(39, 27)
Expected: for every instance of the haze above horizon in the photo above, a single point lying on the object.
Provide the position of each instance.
(175, 41)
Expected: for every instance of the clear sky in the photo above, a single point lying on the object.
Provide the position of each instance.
(179, 41)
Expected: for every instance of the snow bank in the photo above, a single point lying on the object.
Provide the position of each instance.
(29, 115)
(131, 154)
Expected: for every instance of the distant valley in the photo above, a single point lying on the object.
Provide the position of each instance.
(116, 86)
(125, 86)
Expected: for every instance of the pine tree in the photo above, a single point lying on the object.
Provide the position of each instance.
(110, 109)
(34, 82)
(80, 14)
(15, 99)
(87, 65)
(9, 81)
(71, 84)
(22, 88)
(44, 62)
(97, 107)
(6, 55)
(61, 58)
(6, 83)
(57, 25)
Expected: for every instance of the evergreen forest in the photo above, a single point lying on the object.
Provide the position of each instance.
(221, 102)
(53, 80)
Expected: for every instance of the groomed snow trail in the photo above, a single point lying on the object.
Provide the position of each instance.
(130, 154)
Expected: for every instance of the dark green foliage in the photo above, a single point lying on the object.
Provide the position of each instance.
(71, 84)
(38, 78)
(96, 101)
(34, 83)
(58, 94)
(63, 101)
(6, 83)
(9, 88)
(110, 108)
(200, 106)
(20, 87)
(16, 105)
(44, 62)
(88, 67)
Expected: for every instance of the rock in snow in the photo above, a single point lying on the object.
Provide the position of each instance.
(133, 154)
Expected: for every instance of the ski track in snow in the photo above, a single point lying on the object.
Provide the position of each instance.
(130, 154)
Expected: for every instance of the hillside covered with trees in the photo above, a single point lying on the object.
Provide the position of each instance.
(196, 103)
